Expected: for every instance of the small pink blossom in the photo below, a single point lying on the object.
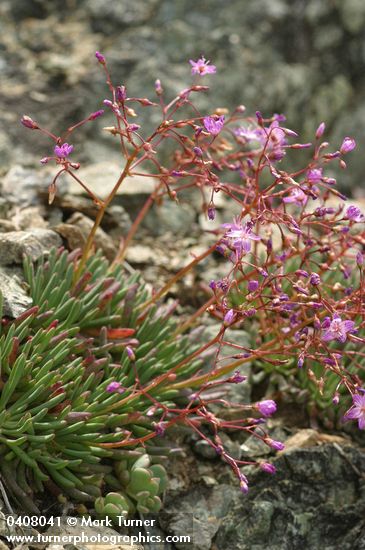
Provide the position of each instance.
(337, 329)
(202, 67)
(115, 387)
(63, 151)
(213, 124)
(240, 236)
(314, 175)
(297, 196)
(357, 411)
(354, 214)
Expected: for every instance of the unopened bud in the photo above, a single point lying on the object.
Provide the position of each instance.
(100, 58)
(29, 123)
(320, 130)
(229, 318)
(158, 87)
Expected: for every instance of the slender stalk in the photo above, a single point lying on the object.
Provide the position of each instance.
(178, 276)
(100, 215)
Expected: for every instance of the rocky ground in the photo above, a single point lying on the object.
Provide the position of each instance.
(305, 59)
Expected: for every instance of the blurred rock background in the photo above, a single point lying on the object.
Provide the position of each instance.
(304, 58)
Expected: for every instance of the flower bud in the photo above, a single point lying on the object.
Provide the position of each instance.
(158, 87)
(276, 445)
(229, 318)
(320, 130)
(100, 58)
(315, 279)
(252, 285)
(267, 407)
(95, 115)
(29, 123)
(198, 151)
(348, 145)
(121, 93)
(268, 468)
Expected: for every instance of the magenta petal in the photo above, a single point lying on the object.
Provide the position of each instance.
(342, 337)
(362, 422)
(348, 325)
(359, 400)
(328, 336)
(353, 413)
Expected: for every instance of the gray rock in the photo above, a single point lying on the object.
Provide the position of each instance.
(108, 17)
(33, 243)
(76, 232)
(314, 501)
(22, 185)
(198, 514)
(177, 219)
(101, 177)
(15, 297)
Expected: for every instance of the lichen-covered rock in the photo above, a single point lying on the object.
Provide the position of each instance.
(316, 500)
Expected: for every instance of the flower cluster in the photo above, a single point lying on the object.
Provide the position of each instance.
(292, 258)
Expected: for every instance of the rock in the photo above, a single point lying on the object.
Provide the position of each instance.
(107, 18)
(138, 254)
(15, 298)
(202, 448)
(101, 177)
(21, 185)
(6, 226)
(315, 500)
(76, 231)
(29, 218)
(198, 514)
(33, 243)
(310, 438)
(177, 219)
(5, 150)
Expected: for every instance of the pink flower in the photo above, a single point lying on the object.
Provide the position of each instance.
(250, 133)
(63, 151)
(213, 124)
(357, 411)
(337, 329)
(202, 67)
(354, 214)
(315, 175)
(240, 236)
(115, 387)
(297, 196)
